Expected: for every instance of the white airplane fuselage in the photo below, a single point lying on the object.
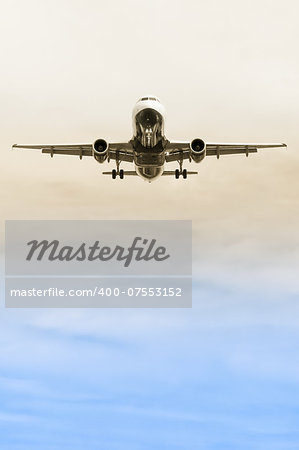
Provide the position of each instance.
(148, 137)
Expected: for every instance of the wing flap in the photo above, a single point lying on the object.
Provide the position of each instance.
(74, 151)
(218, 151)
(121, 155)
(122, 151)
(177, 155)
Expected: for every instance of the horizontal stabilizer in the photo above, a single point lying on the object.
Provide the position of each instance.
(126, 172)
(172, 172)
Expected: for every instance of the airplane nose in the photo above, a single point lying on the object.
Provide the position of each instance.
(148, 118)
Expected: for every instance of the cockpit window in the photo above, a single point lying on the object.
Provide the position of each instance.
(149, 98)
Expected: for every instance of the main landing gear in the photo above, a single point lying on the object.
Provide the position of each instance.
(178, 173)
(118, 172)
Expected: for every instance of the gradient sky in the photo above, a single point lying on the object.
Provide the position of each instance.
(225, 374)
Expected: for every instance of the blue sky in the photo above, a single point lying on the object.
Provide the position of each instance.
(223, 375)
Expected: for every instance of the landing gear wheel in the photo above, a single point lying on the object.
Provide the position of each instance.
(185, 174)
(177, 173)
(121, 174)
(113, 174)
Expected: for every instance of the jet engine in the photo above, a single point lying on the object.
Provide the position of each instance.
(198, 150)
(100, 150)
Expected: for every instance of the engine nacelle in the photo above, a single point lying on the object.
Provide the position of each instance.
(100, 150)
(198, 150)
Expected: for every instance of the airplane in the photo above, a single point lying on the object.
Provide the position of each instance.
(149, 149)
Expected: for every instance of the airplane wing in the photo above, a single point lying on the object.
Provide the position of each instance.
(181, 150)
(215, 149)
(60, 149)
(122, 150)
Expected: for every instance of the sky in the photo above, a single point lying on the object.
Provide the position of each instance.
(224, 374)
